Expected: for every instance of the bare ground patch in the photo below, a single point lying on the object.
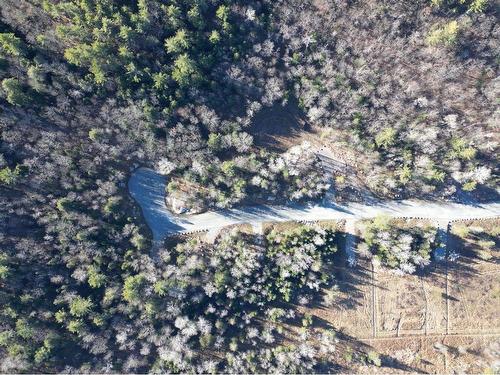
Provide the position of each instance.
(435, 354)
(475, 302)
(410, 304)
(442, 320)
(352, 311)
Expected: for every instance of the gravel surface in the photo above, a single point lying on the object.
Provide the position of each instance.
(148, 188)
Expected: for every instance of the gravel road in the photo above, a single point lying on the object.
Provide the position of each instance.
(148, 188)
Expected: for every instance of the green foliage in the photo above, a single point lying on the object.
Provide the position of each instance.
(36, 78)
(11, 45)
(296, 56)
(84, 270)
(374, 358)
(139, 241)
(43, 353)
(228, 168)
(214, 142)
(64, 204)
(222, 14)
(469, 186)
(15, 92)
(307, 320)
(80, 306)
(404, 174)
(444, 35)
(468, 153)
(132, 288)
(4, 268)
(297, 244)
(397, 245)
(472, 6)
(79, 55)
(95, 278)
(94, 134)
(174, 16)
(206, 340)
(75, 326)
(177, 43)
(386, 138)
(460, 149)
(160, 287)
(172, 186)
(4, 271)
(60, 316)
(477, 6)
(112, 205)
(214, 37)
(160, 81)
(9, 176)
(220, 279)
(185, 70)
(119, 45)
(24, 329)
(437, 175)
(195, 17)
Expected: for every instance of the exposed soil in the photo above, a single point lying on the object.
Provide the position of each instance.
(443, 320)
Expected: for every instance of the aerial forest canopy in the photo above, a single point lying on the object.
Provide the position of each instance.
(92, 89)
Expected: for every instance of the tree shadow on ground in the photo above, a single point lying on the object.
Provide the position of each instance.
(359, 350)
(278, 121)
(346, 344)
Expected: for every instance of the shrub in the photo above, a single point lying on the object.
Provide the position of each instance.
(11, 44)
(374, 358)
(386, 138)
(444, 35)
(15, 93)
(80, 306)
(8, 176)
(473, 6)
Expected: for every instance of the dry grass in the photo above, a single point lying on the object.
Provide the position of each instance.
(477, 242)
(336, 225)
(410, 314)
(410, 304)
(475, 302)
(460, 354)
(280, 226)
(351, 312)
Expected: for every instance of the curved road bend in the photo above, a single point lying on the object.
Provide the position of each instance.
(148, 188)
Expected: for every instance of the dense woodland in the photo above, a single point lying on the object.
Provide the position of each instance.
(91, 89)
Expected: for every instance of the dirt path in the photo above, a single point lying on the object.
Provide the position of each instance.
(406, 337)
(350, 242)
